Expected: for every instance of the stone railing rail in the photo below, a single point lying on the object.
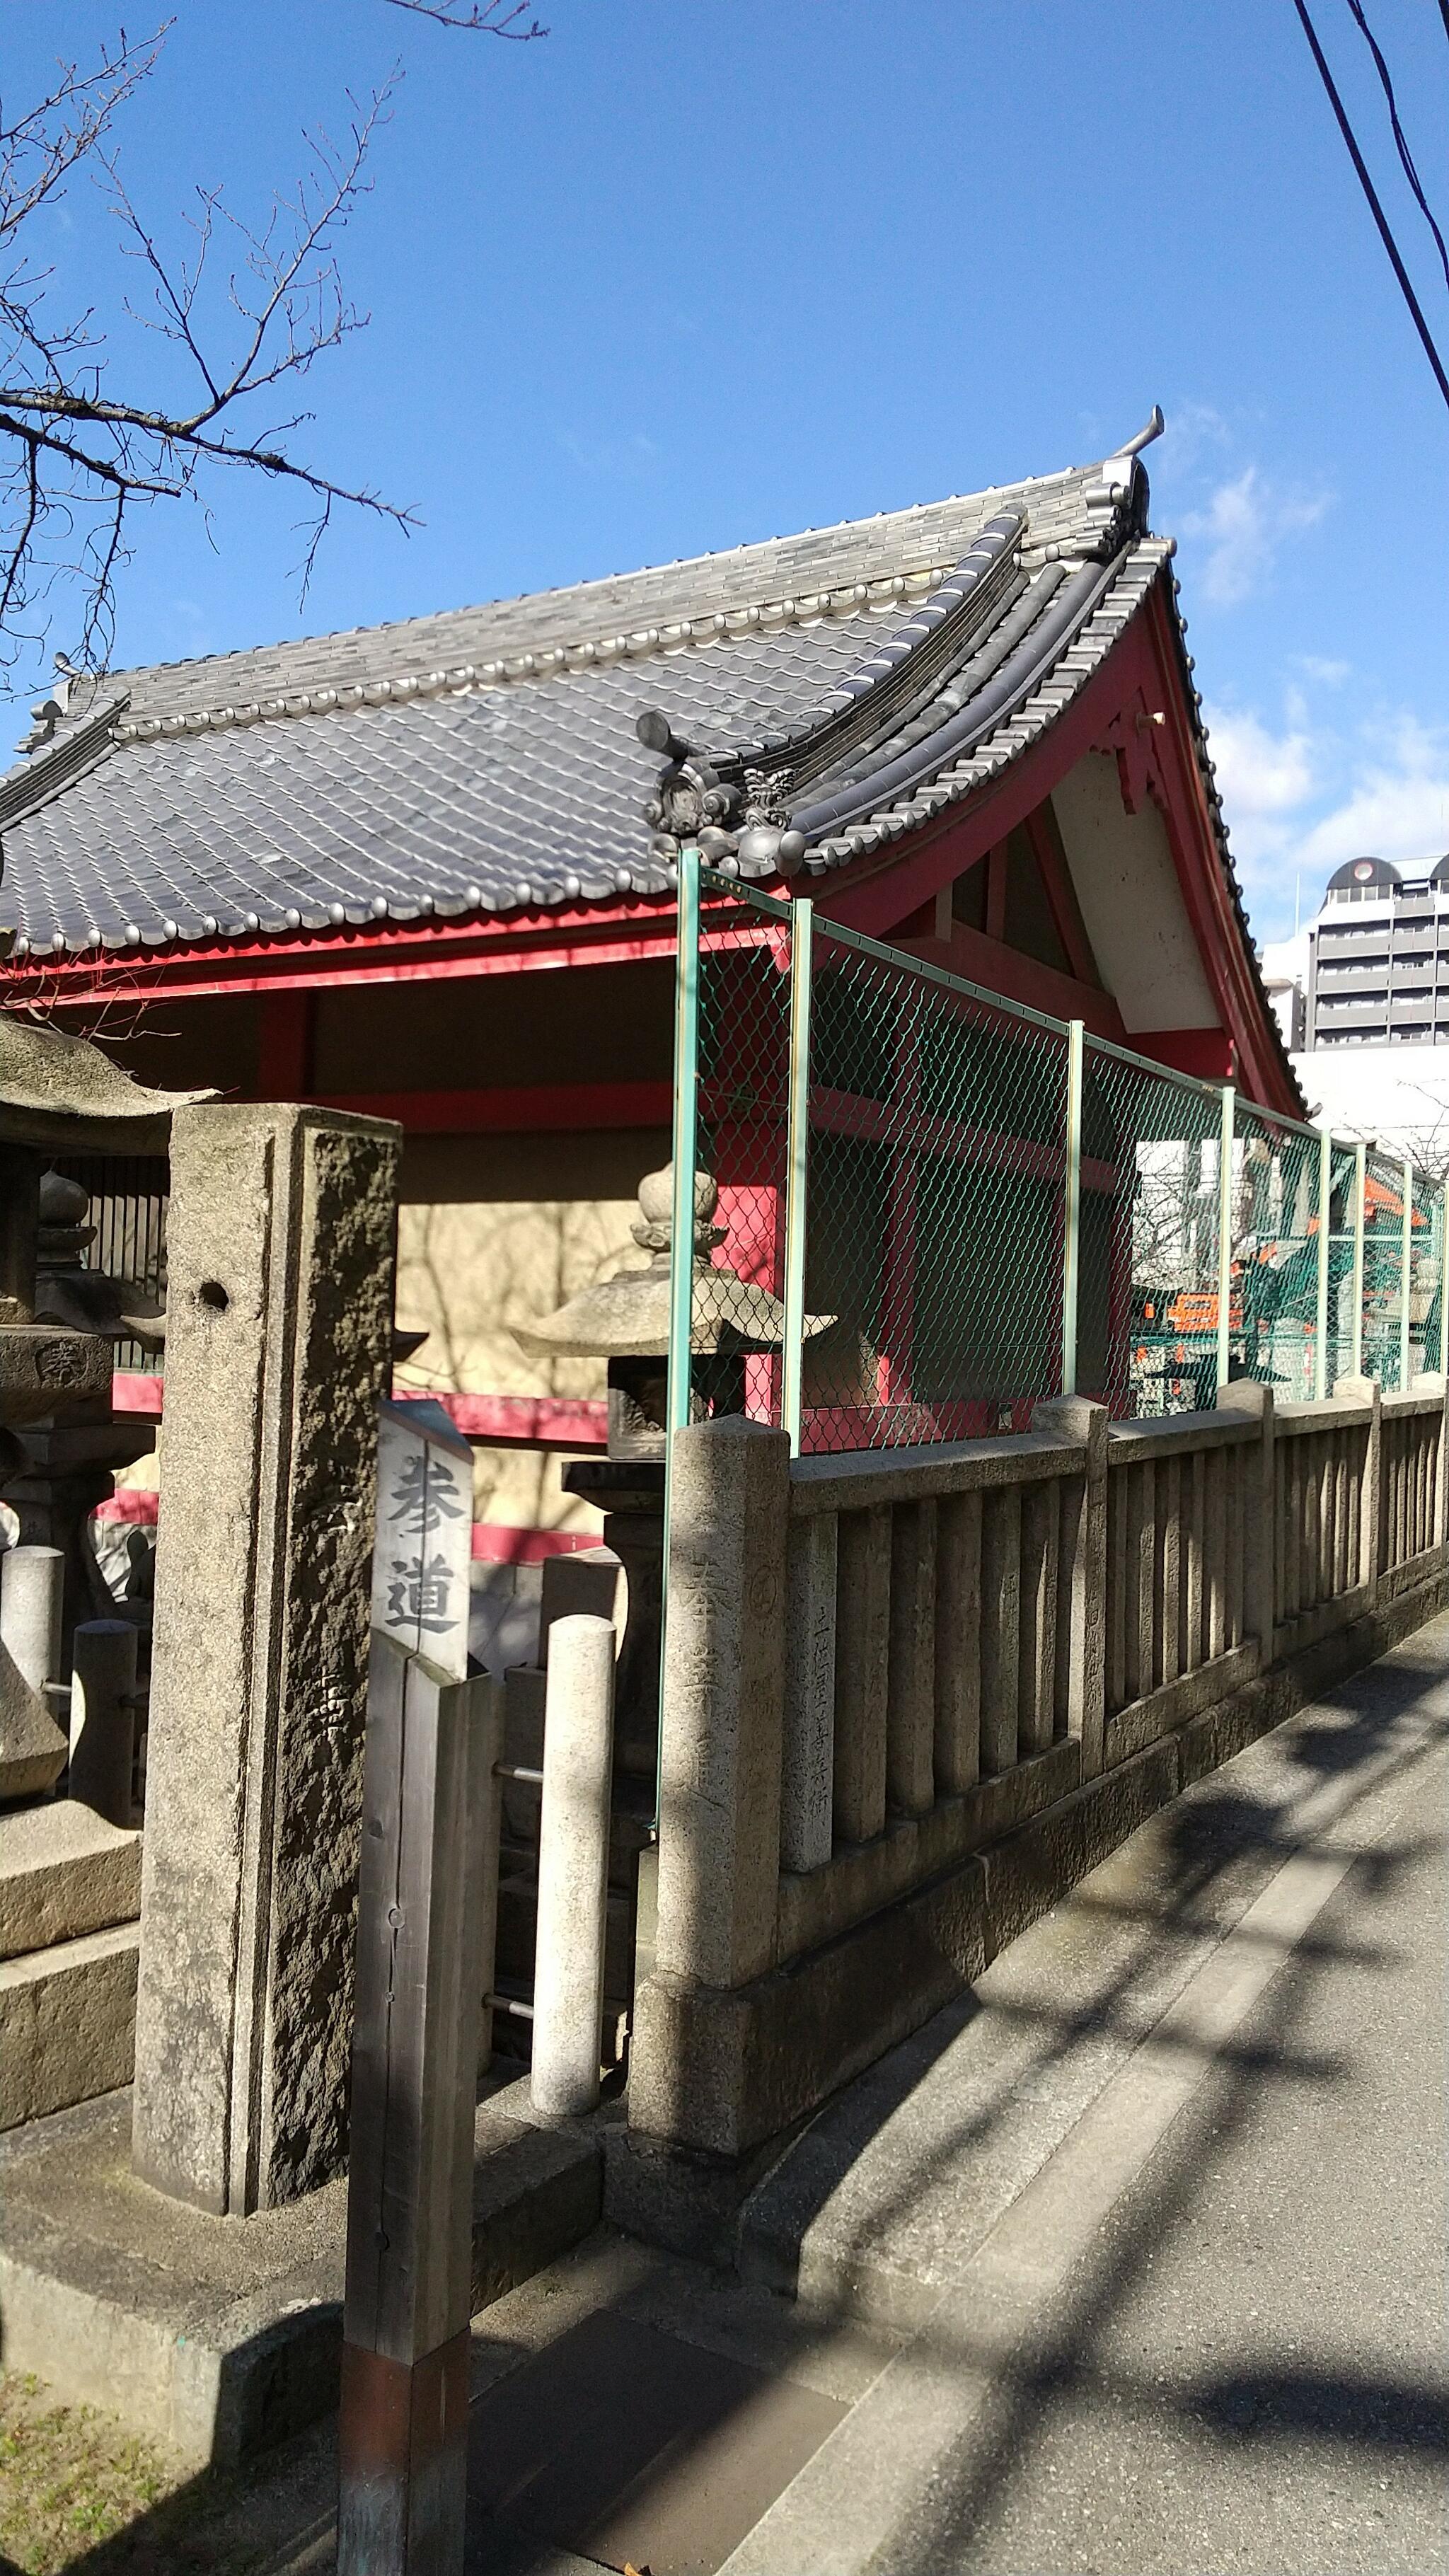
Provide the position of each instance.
(877, 1667)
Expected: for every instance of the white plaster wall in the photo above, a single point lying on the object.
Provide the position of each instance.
(1131, 904)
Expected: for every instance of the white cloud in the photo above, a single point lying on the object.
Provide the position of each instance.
(1331, 675)
(617, 459)
(1260, 772)
(1299, 802)
(1397, 808)
(1244, 524)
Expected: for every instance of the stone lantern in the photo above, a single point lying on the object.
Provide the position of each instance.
(625, 1322)
(59, 1095)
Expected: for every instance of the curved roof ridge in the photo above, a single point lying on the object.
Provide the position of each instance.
(649, 608)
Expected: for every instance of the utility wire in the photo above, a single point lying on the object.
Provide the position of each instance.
(1371, 193)
(1405, 155)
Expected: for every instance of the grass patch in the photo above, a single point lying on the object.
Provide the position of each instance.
(70, 2478)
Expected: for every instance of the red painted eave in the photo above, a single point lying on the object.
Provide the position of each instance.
(395, 952)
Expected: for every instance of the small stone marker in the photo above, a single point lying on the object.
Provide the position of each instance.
(423, 1554)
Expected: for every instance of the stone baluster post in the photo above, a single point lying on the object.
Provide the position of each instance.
(1257, 1490)
(1083, 1571)
(1370, 1537)
(721, 1748)
(281, 1257)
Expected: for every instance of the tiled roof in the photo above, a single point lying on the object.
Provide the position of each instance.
(486, 758)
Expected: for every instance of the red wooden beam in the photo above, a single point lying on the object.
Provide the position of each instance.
(1206, 1052)
(989, 962)
(495, 1421)
(527, 1109)
(390, 953)
(284, 1046)
(524, 1421)
(494, 1542)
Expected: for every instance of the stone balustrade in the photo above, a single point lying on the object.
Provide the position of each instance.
(908, 1698)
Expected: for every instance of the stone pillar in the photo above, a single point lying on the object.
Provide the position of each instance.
(1433, 1382)
(281, 1246)
(31, 1580)
(103, 1718)
(1370, 1536)
(724, 1694)
(1259, 1493)
(1083, 1570)
(573, 1867)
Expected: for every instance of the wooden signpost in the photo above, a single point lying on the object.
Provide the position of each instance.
(426, 1903)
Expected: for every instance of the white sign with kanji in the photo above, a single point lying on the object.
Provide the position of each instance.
(423, 1550)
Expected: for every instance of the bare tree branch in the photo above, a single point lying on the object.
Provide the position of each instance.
(478, 17)
(244, 307)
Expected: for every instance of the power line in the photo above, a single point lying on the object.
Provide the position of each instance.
(1371, 193)
(1406, 157)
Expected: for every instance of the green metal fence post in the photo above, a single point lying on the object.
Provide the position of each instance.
(681, 1236)
(686, 1123)
(1072, 1225)
(1225, 1233)
(1442, 1281)
(1325, 1205)
(802, 942)
(1406, 1271)
(1360, 1207)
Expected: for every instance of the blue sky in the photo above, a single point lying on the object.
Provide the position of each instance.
(697, 271)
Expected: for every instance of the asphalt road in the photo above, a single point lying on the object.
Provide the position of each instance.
(1250, 2371)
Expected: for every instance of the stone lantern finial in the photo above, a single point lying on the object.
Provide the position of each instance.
(625, 1320)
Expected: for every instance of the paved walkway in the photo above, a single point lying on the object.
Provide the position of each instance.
(1131, 2262)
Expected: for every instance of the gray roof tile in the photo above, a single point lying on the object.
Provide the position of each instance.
(422, 767)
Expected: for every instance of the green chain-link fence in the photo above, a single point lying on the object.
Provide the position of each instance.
(919, 1209)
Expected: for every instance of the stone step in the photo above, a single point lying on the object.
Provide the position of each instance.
(67, 2023)
(64, 1872)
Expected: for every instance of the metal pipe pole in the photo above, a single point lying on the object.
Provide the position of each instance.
(1072, 1214)
(1404, 1371)
(1442, 1281)
(802, 945)
(1225, 1233)
(686, 1123)
(1325, 1202)
(1360, 1203)
(679, 1389)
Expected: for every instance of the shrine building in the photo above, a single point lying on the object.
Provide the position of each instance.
(427, 870)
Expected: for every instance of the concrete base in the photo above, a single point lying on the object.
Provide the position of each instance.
(723, 2079)
(218, 2336)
